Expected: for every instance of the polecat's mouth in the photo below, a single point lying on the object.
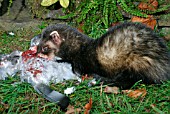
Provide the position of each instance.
(33, 52)
(43, 56)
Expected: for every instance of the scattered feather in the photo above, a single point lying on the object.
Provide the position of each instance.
(69, 90)
(11, 33)
(114, 90)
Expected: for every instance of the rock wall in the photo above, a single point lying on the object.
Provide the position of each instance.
(19, 16)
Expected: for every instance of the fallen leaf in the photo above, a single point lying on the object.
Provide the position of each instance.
(148, 5)
(84, 77)
(72, 110)
(149, 21)
(136, 93)
(114, 90)
(88, 106)
(80, 28)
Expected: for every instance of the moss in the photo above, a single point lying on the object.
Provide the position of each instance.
(36, 9)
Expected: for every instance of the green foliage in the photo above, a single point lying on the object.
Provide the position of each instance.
(10, 4)
(103, 13)
(43, 25)
(129, 7)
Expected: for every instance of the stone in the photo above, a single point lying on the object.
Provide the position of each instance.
(19, 16)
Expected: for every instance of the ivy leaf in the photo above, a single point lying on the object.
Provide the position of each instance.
(48, 2)
(64, 3)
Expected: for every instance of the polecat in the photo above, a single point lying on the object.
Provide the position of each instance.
(125, 54)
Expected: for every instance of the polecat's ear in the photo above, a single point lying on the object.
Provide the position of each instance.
(56, 37)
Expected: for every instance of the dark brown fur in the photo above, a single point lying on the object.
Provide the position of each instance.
(124, 55)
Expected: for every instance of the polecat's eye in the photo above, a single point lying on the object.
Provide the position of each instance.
(46, 50)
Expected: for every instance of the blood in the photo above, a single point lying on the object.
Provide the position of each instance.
(28, 55)
(34, 71)
(31, 67)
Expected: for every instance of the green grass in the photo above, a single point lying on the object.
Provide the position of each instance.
(16, 97)
(21, 98)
